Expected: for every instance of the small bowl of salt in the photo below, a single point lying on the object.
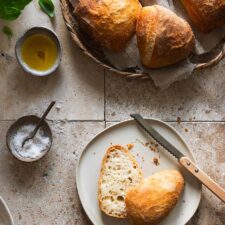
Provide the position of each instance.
(33, 149)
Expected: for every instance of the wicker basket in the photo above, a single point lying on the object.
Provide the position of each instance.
(93, 50)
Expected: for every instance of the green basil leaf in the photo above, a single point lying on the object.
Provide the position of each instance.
(7, 31)
(48, 7)
(11, 9)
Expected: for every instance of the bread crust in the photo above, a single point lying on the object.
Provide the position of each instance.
(206, 14)
(110, 22)
(146, 33)
(109, 150)
(170, 37)
(151, 201)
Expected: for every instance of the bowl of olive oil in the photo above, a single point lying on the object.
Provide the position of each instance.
(39, 51)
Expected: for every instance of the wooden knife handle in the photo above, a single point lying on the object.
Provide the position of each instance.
(203, 177)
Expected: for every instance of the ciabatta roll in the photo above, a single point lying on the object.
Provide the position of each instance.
(163, 38)
(206, 14)
(110, 22)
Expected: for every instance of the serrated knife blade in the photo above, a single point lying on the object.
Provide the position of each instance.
(182, 159)
(157, 136)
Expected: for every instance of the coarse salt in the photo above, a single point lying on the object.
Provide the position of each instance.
(32, 148)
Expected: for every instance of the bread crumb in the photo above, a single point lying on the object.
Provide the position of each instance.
(186, 130)
(178, 120)
(58, 108)
(130, 146)
(152, 148)
(147, 144)
(156, 161)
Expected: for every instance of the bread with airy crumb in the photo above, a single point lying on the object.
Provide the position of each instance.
(163, 37)
(119, 172)
(151, 201)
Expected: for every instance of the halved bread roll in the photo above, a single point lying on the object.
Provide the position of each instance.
(206, 14)
(150, 202)
(163, 38)
(110, 22)
(119, 172)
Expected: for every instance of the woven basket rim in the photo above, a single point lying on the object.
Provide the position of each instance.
(64, 8)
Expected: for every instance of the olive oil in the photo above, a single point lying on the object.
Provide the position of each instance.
(39, 52)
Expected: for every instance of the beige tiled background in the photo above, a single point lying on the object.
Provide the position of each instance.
(88, 98)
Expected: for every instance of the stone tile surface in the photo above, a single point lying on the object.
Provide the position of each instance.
(44, 193)
(207, 143)
(78, 85)
(201, 97)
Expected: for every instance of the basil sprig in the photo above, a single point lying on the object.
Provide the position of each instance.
(11, 9)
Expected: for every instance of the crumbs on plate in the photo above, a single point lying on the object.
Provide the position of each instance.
(156, 161)
(130, 146)
(153, 148)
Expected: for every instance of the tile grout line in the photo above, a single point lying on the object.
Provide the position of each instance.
(175, 121)
(117, 121)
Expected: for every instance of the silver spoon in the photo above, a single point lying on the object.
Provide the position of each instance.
(39, 123)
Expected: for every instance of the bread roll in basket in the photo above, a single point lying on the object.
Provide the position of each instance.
(94, 50)
(163, 38)
(111, 22)
(206, 14)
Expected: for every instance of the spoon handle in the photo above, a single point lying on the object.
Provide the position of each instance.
(42, 118)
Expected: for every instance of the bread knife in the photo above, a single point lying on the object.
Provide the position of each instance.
(182, 159)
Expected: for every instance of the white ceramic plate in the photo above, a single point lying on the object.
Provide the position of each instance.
(5, 215)
(129, 132)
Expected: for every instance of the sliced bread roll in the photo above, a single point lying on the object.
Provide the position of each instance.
(119, 172)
